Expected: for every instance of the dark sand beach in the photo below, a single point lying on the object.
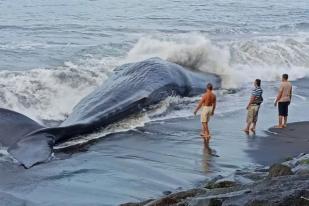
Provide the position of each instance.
(260, 186)
(281, 143)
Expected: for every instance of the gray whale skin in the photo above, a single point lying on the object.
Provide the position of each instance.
(131, 88)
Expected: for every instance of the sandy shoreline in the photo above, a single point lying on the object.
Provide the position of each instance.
(277, 146)
(282, 143)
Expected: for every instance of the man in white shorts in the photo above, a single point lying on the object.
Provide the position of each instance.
(208, 104)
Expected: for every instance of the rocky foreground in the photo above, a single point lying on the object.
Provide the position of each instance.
(284, 184)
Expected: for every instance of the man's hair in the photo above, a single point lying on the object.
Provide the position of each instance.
(209, 86)
(258, 82)
(285, 76)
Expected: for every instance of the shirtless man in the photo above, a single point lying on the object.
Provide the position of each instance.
(208, 104)
(283, 101)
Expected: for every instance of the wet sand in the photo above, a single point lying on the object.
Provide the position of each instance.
(141, 164)
(282, 143)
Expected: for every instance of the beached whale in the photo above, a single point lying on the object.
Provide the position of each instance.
(131, 88)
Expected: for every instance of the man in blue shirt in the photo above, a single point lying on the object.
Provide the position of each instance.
(253, 107)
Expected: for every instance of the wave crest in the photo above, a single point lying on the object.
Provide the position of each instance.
(50, 94)
(236, 62)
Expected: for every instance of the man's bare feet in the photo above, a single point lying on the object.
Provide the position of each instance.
(207, 138)
(284, 126)
(206, 142)
(252, 130)
(203, 135)
(246, 130)
(279, 126)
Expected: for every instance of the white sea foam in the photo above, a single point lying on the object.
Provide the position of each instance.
(5, 156)
(236, 62)
(52, 93)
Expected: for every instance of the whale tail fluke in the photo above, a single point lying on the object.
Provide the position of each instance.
(14, 126)
(33, 149)
(17, 133)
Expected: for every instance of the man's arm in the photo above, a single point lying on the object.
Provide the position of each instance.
(291, 94)
(199, 105)
(214, 105)
(279, 96)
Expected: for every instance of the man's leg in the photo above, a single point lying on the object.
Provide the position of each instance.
(285, 118)
(207, 134)
(203, 129)
(247, 127)
(253, 126)
(249, 120)
(206, 131)
(281, 112)
(280, 125)
(203, 121)
(285, 121)
(256, 114)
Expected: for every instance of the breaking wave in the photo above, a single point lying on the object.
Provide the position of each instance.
(50, 94)
(236, 62)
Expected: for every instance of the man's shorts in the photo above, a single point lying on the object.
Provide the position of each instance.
(206, 114)
(283, 108)
(253, 112)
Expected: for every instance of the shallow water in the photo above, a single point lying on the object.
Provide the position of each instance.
(52, 54)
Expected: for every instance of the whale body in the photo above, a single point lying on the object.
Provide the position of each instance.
(131, 88)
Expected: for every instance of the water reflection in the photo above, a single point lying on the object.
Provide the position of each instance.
(207, 157)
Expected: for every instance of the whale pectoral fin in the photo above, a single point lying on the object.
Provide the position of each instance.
(33, 149)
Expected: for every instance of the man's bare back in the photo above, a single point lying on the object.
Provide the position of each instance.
(208, 99)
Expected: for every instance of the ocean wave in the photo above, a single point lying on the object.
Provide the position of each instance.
(50, 94)
(297, 26)
(236, 62)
